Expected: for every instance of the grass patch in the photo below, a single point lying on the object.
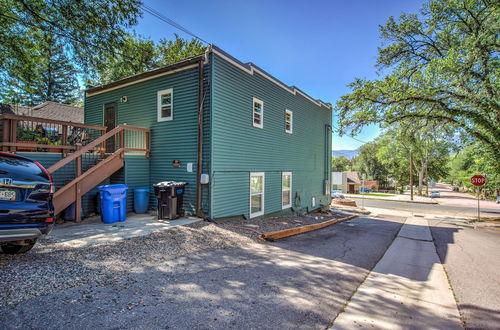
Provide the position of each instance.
(379, 195)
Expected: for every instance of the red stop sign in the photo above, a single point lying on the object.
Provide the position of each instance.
(478, 180)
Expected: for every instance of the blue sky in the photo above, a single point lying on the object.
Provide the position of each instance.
(318, 46)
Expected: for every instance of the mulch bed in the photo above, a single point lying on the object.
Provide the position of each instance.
(253, 228)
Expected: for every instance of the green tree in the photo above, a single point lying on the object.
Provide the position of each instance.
(49, 77)
(474, 159)
(369, 165)
(441, 65)
(138, 54)
(341, 164)
(31, 29)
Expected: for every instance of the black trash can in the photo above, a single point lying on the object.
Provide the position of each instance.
(170, 196)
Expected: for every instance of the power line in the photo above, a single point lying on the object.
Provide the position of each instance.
(169, 21)
(352, 137)
(69, 37)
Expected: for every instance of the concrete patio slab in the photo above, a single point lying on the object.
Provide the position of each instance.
(407, 289)
(94, 232)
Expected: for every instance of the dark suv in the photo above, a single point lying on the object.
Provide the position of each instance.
(26, 210)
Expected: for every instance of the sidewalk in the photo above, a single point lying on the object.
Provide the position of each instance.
(395, 198)
(94, 232)
(408, 288)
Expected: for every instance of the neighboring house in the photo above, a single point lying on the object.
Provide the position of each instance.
(347, 181)
(265, 146)
(372, 184)
(58, 111)
(10, 109)
(47, 110)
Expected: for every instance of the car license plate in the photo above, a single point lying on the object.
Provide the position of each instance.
(7, 195)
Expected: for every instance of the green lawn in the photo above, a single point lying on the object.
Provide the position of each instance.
(379, 194)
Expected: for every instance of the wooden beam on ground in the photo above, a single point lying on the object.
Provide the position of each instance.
(303, 229)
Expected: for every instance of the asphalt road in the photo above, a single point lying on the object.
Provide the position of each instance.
(428, 208)
(470, 255)
(302, 281)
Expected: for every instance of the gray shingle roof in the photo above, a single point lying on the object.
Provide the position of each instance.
(14, 109)
(48, 110)
(58, 111)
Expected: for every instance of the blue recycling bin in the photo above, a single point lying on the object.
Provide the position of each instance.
(113, 202)
(141, 198)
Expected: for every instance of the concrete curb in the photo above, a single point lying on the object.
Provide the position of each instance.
(273, 235)
(392, 200)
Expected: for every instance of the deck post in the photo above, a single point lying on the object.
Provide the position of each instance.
(147, 142)
(64, 138)
(78, 203)
(78, 165)
(122, 139)
(6, 133)
(13, 134)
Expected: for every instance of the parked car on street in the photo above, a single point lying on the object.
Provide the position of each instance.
(26, 210)
(435, 194)
(365, 189)
(337, 194)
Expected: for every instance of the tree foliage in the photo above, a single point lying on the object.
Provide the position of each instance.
(138, 54)
(50, 76)
(387, 159)
(474, 159)
(341, 164)
(441, 65)
(44, 43)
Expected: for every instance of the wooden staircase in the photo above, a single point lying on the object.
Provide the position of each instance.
(110, 159)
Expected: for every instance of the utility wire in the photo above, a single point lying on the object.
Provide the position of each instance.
(169, 21)
(352, 137)
(69, 37)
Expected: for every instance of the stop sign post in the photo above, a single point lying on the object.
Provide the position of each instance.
(478, 180)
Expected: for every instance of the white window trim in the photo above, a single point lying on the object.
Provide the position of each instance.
(158, 105)
(290, 131)
(261, 212)
(290, 199)
(261, 125)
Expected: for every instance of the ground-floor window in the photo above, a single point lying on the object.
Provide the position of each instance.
(286, 190)
(256, 194)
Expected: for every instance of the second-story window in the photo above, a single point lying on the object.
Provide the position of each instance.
(288, 121)
(258, 113)
(165, 105)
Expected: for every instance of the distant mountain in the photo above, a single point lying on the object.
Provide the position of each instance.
(349, 154)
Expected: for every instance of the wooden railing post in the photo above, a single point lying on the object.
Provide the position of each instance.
(78, 162)
(6, 132)
(122, 139)
(13, 134)
(147, 143)
(102, 146)
(78, 202)
(64, 138)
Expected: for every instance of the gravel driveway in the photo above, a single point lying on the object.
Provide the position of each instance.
(202, 276)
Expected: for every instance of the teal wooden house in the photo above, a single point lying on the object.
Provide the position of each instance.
(247, 144)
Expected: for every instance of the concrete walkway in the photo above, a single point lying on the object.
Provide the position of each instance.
(94, 232)
(396, 198)
(407, 289)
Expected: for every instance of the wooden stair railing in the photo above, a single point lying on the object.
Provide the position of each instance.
(74, 190)
(108, 164)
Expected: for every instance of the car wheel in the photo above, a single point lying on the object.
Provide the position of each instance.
(18, 246)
